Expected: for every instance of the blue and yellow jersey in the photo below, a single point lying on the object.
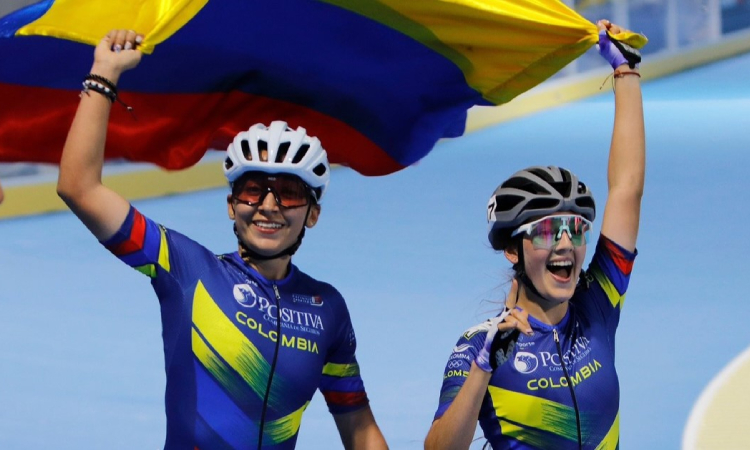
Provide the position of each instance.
(220, 332)
(528, 403)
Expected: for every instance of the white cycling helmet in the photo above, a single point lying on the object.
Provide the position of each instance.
(288, 151)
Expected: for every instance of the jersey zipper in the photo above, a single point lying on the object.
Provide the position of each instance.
(273, 366)
(570, 386)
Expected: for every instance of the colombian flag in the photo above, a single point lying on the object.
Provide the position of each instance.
(378, 81)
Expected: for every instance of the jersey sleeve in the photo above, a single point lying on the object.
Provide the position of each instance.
(458, 366)
(162, 254)
(341, 383)
(141, 244)
(608, 277)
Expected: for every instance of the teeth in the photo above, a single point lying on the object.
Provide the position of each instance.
(561, 263)
(268, 225)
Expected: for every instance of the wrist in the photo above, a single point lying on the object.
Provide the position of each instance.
(625, 71)
(106, 71)
(626, 68)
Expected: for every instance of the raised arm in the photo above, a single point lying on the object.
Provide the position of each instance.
(627, 156)
(359, 431)
(80, 182)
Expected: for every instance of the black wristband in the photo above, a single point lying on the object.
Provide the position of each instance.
(631, 54)
(502, 347)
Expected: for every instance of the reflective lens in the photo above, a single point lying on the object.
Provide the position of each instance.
(288, 190)
(547, 231)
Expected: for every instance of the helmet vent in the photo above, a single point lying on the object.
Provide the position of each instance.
(507, 202)
(228, 164)
(542, 203)
(543, 174)
(246, 149)
(585, 202)
(319, 170)
(525, 185)
(283, 150)
(263, 148)
(301, 153)
(563, 187)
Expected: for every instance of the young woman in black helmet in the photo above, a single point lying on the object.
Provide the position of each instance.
(248, 337)
(541, 374)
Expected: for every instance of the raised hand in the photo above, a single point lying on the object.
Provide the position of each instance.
(116, 53)
(617, 53)
(502, 333)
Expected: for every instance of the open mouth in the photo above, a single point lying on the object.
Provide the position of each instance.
(561, 269)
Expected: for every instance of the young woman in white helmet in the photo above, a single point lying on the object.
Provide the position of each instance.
(248, 337)
(541, 374)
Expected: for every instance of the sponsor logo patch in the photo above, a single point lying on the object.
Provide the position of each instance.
(525, 362)
(314, 300)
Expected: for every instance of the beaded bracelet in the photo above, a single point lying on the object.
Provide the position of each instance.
(107, 88)
(91, 85)
(112, 86)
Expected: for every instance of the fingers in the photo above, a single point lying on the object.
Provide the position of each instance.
(613, 28)
(120, 40)
(518, 319)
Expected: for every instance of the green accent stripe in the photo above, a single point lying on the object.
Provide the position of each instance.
(341, 370)
(148, 269)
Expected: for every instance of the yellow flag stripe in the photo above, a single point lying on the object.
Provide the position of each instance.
(156, 19)
(487, 48)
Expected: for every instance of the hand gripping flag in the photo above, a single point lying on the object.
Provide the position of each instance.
(378, 81)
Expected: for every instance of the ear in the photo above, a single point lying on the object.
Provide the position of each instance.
(230, 206)
(312, 218)
(511, 253)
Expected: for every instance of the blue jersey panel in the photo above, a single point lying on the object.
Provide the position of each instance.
(222, 322)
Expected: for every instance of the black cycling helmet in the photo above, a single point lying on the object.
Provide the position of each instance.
(532, 193)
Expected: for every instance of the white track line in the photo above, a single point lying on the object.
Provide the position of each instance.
(696, 419)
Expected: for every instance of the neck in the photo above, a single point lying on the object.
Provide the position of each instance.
(543, 310)
(270, 269)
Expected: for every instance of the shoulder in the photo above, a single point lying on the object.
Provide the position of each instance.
(308, 284)
(474, 336)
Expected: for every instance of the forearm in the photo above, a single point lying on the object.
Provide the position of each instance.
(80, 181)
(368, 438)
(627, 158)
(359, 431)
(83, 154)
(455, 429)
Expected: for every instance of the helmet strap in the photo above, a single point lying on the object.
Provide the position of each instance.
(523, 277)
